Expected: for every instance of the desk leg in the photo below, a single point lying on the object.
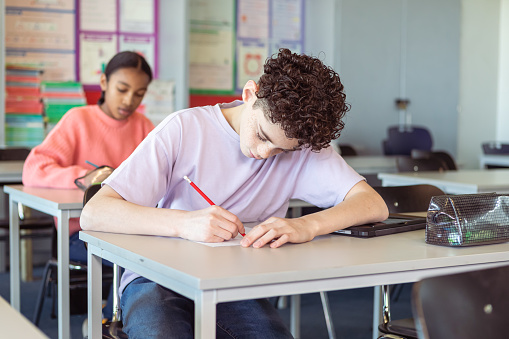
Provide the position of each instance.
(377, 310)
(14, 253)
(27, 258)
(295, 316)
(205, 314)
(295, 299)
(63, 274)
(94, 276)
(3, 252)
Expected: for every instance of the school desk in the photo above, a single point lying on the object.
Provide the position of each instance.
(211, 275)
(10, 172)
(494, 160)
(453, 182)
(372, 164)
(14, 325)
(60, 203)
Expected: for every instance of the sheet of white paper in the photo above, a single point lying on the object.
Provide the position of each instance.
(232, 242)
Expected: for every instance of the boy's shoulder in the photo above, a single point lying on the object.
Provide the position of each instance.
(192, 113)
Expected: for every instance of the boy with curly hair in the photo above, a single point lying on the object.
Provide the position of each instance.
(283, 125)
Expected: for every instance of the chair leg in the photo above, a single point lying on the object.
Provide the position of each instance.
(42, 293)
(396, 292)
(54, 297)
(327, 314)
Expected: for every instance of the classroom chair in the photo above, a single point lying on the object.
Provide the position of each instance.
(442, 155)
(464, 305)
(402, 199)
(495, 148)
(347, 150)
(409, 164)
(77, 278)
(402, 140)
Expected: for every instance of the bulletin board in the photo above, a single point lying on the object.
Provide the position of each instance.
(263, 27)
(230, 41)
(106, 27)
(211, 46)
(40, 33)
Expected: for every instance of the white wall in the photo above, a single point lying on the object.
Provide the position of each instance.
(503, 83)
(479, 57)
(457, 68)
(173, 48)
(387, 49)
(320, 25)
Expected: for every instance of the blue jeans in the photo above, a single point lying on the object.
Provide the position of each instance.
(152, 311)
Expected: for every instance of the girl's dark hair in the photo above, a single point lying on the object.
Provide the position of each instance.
(126, 59)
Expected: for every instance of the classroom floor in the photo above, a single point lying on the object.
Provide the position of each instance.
(351, 310)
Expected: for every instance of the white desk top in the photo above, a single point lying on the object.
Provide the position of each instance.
(330, 256)
(453, 182)
(372, 164)
(60, 199)
(15, 325)
(494, 159)
(10, 171)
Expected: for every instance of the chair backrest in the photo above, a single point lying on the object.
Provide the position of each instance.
(400, 142)
(495, 148)
(408, 164)
(442, 155)
(14, 153)
(89, 193)
(347, 150)
(404, 199)
(464, 305)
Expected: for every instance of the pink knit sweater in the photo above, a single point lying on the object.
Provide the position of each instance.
(83, 133)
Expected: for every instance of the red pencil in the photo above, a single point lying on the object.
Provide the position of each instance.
(202, 194)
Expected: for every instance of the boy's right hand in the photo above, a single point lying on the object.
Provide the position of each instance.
(212, 224)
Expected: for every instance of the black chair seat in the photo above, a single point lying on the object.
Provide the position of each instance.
(401, 327)
(466, 305)
(113, 330)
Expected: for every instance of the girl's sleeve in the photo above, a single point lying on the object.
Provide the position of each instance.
(50, 164)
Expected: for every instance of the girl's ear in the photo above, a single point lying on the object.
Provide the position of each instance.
(103, 82)
(249, 91)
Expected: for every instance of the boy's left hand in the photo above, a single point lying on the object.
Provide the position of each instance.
(278, 231)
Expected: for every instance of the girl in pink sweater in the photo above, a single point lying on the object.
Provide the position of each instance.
(104, 134)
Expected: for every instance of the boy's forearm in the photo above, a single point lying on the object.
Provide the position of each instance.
(108, 214)
(363, 207)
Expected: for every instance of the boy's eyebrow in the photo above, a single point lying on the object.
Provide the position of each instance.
(268, 139)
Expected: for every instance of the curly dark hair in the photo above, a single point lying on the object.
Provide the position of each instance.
(304, 97)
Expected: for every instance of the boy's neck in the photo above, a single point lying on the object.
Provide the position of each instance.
(232, 116)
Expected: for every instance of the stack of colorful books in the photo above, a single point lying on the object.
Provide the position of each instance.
(58, 98)
(24, 124)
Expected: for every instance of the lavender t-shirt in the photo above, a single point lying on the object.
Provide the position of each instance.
(199, 142)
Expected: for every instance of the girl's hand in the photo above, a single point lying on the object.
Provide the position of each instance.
(278, 231)
(212, 224)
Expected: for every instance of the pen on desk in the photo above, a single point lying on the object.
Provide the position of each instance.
(90, 163)
(203, 195)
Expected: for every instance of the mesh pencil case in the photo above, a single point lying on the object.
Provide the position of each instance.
(468, 219)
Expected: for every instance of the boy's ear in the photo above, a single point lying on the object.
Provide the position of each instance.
(103, 82)
(249, 91)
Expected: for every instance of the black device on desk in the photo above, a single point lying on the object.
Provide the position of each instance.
(394, 224)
